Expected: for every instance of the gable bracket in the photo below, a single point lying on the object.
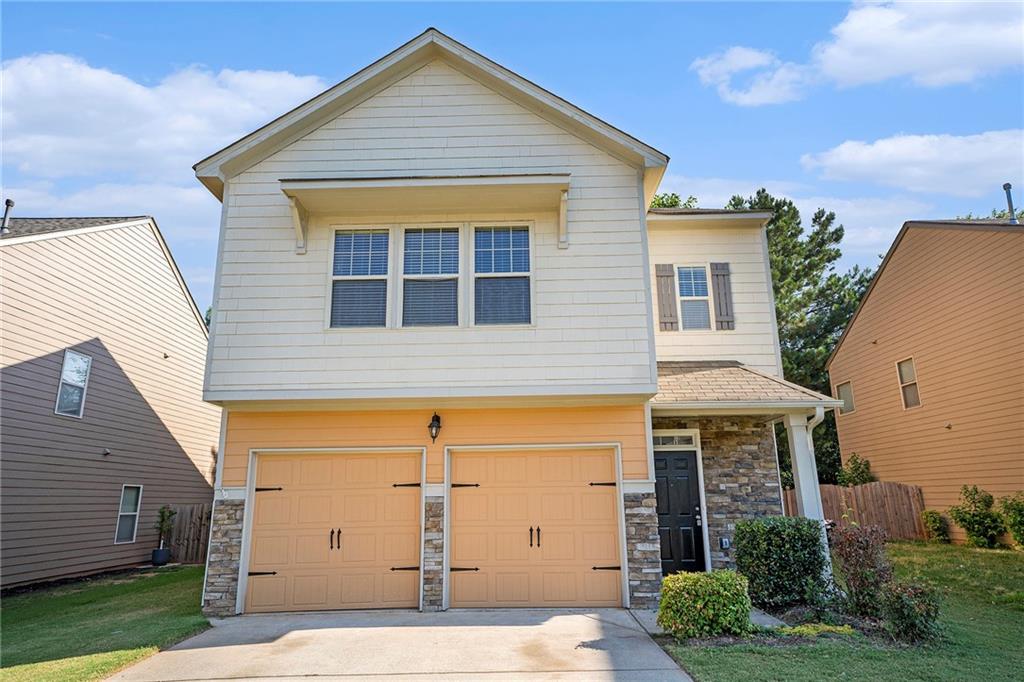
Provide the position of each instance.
(563, 220)
(300, 221)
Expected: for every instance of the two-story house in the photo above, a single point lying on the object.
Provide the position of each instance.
(463, 365)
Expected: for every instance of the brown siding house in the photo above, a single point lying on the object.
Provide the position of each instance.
(931, 366)
(101, 414)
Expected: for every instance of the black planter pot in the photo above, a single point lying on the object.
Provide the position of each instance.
(161, 556)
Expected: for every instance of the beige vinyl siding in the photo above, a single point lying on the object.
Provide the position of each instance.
(112, 295)
(590, 326)
(753, 341)
(951, 298)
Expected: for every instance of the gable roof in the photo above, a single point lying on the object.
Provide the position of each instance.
(727, 383)
(426, 47)
(35, 229)
(986, 225)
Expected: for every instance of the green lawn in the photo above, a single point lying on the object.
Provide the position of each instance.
(982, 613)
(87, 630)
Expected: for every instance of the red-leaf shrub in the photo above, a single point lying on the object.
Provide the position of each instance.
(862, 565)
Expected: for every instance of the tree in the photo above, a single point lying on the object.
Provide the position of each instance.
(996, 214)
(209, 313)
(813, 303)
(672, 200)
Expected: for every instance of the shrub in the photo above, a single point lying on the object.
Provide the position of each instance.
(910, 612)
(975, 515)
(936, 526)
(861, 560)
(813, 630)
(1013, 510)
(704, 604)
(856, 472)
(782, 557)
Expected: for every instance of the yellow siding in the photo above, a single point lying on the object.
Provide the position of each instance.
(622, 424)
(952, 299)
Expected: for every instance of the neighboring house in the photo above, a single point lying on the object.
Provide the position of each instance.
(931, 366)
(102, 419)
(434, 336)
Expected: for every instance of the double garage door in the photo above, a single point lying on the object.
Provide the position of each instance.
(526, 528)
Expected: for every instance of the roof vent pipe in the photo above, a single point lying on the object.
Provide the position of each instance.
(5, 227)
(1006, 188)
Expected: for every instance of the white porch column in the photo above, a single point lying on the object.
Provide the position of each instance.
(805, 472)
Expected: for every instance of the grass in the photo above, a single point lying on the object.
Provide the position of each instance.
(88, 629)
(982, 616)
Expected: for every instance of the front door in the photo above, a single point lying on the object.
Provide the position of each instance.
(679, 513)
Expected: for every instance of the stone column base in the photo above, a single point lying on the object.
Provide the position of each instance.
(643, 549)
(433, 554)
(221, 589)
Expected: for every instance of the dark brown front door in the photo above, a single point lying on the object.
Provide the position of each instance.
(679, 512)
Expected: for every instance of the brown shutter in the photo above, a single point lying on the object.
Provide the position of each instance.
(721, 291)
(668, 310)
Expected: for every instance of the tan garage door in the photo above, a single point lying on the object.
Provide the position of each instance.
(529, 529)
(328, 530)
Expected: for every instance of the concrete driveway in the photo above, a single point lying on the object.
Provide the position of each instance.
(528, 644)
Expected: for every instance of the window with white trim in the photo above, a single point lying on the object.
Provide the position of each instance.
(694, 299)
(501, 284)
(430, 277)
(359, 278)
(74, 379)
(844, 392)
(128, 514)
(907, 374)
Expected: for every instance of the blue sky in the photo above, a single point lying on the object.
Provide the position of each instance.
(880, 112)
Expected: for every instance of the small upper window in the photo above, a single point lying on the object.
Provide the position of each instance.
(501, 288)
(359, 286)
(74, 377)
(128, 514)
(844, 392)
(693, 298)
(908, 383)
(430, 277)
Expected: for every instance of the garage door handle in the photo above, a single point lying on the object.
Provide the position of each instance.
(538, 536)
(332, 538)
(531, 536)
(339, 538)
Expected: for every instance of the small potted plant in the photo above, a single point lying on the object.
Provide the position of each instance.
(164, 525)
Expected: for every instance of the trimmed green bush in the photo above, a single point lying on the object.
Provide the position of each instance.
(704, 604)
(975, 515)
(782, 557)
(1013, 510)
(936, 526)
(910, 612)
(857, 471)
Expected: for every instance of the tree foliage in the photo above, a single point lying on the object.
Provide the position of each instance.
(672, 200)
(813, 303)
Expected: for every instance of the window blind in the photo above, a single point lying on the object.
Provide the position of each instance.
(359, 303)
(502, 300)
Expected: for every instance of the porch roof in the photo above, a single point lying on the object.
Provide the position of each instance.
(725, 386)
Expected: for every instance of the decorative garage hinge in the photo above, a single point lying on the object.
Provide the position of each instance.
(405, 485)
(263, 490)
(465, 485)
(405, 568)
(262, 573)
(606, 568)
(607, 483)
(455, 569)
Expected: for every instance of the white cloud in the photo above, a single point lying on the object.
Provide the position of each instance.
(64, 118)
(966, 165)
(933, 44)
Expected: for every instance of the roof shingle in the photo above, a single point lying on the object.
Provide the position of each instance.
(728, 381)
(21, 227)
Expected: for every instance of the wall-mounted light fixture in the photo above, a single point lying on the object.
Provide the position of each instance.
(434, 427)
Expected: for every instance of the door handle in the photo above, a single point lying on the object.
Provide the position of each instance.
(339, 538)
(531, 536)
(332, 538)
(538, 536)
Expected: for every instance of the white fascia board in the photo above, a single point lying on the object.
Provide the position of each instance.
(559, 180)
(760, 217)
(757, 405)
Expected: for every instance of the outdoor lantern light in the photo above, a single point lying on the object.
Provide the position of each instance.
(434, 427)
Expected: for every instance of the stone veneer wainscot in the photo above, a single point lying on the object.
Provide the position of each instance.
(225, 556)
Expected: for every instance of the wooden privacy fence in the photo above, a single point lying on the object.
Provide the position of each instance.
(896, 507)
(191, 533)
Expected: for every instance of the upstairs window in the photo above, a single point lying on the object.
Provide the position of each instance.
(128, 514)
(430, 277)
(844, 392)
(694, 305)
(74, 378)
(501, 287)
(907, 374)
(359, 281)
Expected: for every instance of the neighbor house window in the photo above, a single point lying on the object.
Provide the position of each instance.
(501, 287)
(694, 303)
(844, 392)
(908, 383)
(430, 277)
(74, 377)
(128, 514)
(359, 279)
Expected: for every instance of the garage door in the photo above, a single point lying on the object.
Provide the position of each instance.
(335, 532)
(534, 528)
